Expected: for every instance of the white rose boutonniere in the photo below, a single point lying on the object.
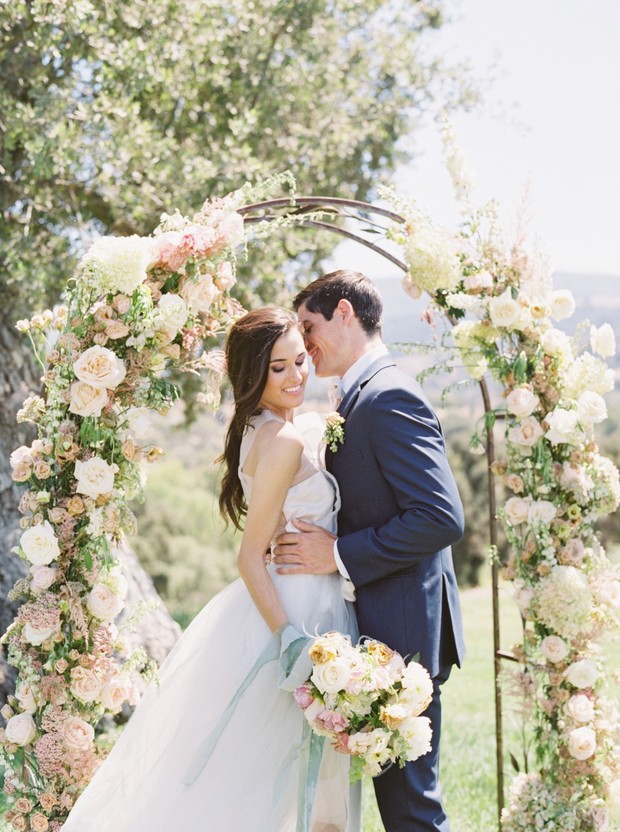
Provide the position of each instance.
(334, 431)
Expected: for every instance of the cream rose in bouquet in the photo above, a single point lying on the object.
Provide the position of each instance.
(368, 702)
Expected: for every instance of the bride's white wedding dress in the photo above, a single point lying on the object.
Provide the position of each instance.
(187, 760)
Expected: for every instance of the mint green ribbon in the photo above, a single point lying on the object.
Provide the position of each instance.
(309, 766)
(202, 756)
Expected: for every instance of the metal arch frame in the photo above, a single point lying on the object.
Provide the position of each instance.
(260, 212)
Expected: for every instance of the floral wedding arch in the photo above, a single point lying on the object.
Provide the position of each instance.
(140, 305)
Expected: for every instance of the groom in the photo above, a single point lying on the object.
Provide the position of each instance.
(400, 513)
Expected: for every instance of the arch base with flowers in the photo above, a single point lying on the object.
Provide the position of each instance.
(139, 305)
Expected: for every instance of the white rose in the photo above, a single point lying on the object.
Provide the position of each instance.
(24, 694)
(172, 311)
(139, 422)
(21, 455)
(94, 477)
(102, 603)
(562, 426)
(541, 511)
(526, 434)
(332, 676)
(20, 729)
(114, 693)
(580, 708)
(87, 400)
(562, 304)
(37, 636)
(521, 402)
(603, 341)
(417, 733)
(85, 684)
(78, 734)
(100, 367)
(40, 544)
(582, 743)
(517, 510)
(507, 313)
(42, 578)
(591, 408)
(199, 296)
(609, 594)
(582, 673)
(554, 649)
(555, 342)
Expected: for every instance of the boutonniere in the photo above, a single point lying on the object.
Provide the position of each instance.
(334, 431)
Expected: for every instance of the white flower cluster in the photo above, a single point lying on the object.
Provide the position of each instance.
(117, 264)
(563, 601)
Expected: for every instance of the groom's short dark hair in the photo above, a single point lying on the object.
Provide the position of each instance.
(324, 293)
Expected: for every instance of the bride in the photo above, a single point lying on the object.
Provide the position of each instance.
(220, 744)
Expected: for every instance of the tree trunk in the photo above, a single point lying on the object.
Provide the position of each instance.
(19, 377)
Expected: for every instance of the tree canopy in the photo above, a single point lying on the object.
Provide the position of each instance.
(114, 112)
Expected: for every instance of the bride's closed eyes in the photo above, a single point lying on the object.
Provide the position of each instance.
(299, 362)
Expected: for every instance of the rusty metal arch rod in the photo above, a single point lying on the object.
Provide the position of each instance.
(498, 654)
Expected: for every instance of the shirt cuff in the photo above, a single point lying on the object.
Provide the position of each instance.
(348, 590)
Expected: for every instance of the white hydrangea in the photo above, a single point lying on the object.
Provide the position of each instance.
(563, 601)
(117, 264)
(587, 372)
(432, 257)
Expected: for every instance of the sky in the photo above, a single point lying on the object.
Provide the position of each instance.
(550, 124)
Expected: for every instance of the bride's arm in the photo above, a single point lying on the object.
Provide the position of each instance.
(279, 451)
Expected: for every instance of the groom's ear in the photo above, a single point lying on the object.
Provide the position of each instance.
(345, 311)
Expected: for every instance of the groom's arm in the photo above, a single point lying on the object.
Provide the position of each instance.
(408, 445)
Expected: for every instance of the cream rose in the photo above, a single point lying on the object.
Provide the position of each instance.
(573, 553)
(392, 715)
(521, 402)
(417, 690)
(94, 477)
(582, 673)
(114, 693)
(20, 729)
(200, 295)
(580, 708)
(25, 695)
(100, 367)
(87, 400)
(591, 408)
(517, 510)
(508, 313)
(171, 311)
(139, 422)
(563, 427)
(603, 341)
(35, 635)
(225, 276)
(40, 544)
(38, 822)
(526, 434)
(554, 649)
(562, 304)
(331, 676)
(417, 733)
(78, 735)
(582, 743)
(541, 511)
(102, 603)
(555, 342)
(85, 684)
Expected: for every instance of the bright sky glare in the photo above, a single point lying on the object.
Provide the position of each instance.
(557, 68)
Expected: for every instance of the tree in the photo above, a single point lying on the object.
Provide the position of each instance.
(115, 112)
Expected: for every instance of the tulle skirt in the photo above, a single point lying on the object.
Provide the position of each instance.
(250, 781)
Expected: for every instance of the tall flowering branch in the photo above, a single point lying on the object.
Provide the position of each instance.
(503, 307)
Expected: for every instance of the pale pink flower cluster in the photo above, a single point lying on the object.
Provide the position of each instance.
(367, 701)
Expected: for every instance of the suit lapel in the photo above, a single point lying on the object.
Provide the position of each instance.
(352, 394)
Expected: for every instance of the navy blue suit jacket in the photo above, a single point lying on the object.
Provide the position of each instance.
(400, 513)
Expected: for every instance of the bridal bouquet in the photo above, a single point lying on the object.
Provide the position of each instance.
(368, 701)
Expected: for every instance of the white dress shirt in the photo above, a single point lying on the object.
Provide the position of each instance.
(355, 371)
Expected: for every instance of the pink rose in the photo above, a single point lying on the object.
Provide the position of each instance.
(303, 696)
(331, 721)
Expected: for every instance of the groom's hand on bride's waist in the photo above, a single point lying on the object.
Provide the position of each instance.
(310, 551)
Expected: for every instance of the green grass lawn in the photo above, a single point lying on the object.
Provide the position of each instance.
(468, 769)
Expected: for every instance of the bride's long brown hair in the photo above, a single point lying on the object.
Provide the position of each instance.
(248, 350)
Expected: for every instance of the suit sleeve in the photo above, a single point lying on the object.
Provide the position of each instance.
(408, 446)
